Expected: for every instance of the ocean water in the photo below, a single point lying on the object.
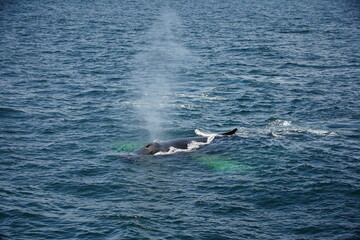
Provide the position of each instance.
(84, 83)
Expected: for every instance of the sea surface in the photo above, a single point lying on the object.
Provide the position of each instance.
(85, 83)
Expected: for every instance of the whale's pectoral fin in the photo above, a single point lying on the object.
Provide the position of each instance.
(229, 133)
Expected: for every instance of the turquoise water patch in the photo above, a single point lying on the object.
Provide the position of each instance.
(127, 146)
(220, 163)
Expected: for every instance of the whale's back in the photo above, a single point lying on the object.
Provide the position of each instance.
(181, 143)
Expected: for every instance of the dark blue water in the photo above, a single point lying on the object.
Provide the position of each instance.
(83, 83)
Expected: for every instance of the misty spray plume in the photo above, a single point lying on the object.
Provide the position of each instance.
(155, 72)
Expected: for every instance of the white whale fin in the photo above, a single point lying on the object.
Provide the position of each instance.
(203, 134)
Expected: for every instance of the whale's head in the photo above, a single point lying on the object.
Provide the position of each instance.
(149, 149)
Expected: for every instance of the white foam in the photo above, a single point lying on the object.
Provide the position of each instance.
(321, 132)
(286, 123)
(282, 132)
(282, 123)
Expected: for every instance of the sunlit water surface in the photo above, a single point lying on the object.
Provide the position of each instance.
(84, 83)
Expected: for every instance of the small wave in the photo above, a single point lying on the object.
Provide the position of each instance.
(4, 111)
(321, 132)
(281, 128)
(276, 135)
(145, 227)
(290, 131)
(123, 216)
(214, 98)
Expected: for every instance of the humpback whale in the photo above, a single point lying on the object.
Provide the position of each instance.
(180, 143)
